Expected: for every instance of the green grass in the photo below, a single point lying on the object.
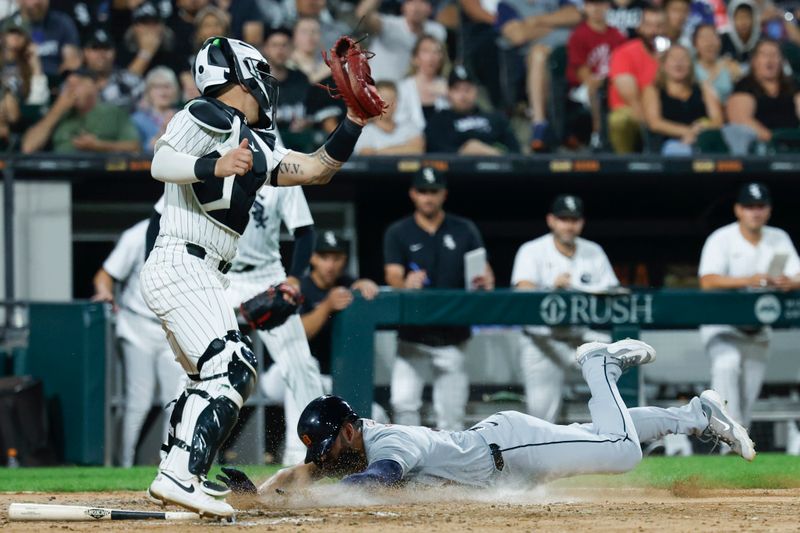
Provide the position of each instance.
(767, 471)
(94, 479)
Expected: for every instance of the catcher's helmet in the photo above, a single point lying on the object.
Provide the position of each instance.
(320, 423)
(222, 61)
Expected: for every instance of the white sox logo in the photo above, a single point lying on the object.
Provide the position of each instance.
(768, 309)
(574, 309)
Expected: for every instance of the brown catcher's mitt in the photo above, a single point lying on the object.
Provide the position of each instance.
(350, 70)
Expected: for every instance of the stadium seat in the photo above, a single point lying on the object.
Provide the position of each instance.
(785, 141)
(711, 142)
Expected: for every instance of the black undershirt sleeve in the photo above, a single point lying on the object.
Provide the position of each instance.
(303, 245)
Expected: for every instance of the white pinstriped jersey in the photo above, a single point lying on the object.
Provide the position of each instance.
(183, 216)
(124, 264)
(259, 244)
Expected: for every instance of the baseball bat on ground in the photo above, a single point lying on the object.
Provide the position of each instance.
(74, 513)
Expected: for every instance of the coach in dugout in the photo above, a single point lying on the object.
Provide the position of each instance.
(744, 254)
(423, 251)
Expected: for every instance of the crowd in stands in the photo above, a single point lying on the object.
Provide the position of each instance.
(480, 77)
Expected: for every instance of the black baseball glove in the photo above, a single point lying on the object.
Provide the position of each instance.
(272, 307)
(237, 481)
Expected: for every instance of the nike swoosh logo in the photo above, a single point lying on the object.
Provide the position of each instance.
(727, 426)
(415, 247)
(186, 488)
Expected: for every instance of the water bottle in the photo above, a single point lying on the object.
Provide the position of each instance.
(12, 461)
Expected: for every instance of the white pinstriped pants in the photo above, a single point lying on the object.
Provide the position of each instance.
(288, 346)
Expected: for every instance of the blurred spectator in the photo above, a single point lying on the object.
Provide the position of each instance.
(425, 90)
(301, 105)
(588, 54)
(741, 255)
(149, 42)
(479, 49)
(88, 15)
(22, 74)
(463, 128)
(676, 14)
(626, 15)
(537, 28)
(251, 19)
(394, 37)
(678, 108)
(208, 22)
(424, 251)
(158, 105)
(709, 68)
(558, 260)
(184, 23)
(306, 55)
(763, 101)
(330, 28)
(149, 363)
(384, 135)
(79, 122)
(683, 16)
(117, 86)
(53, 33)
(633, 67)
(743, 32)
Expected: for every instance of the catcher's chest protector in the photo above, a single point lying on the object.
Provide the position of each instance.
(228, 201)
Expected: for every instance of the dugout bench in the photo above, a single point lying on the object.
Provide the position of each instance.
(625, 314)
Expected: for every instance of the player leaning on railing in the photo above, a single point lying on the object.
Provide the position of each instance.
(214, 156)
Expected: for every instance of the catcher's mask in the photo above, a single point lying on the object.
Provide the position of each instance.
(320, 423)
(221, 61)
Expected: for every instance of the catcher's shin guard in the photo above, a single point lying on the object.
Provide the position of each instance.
(208, 409)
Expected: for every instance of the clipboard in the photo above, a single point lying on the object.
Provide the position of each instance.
(777, 264)
(474, 266)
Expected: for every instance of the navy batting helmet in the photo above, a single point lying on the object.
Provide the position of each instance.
(320, 423)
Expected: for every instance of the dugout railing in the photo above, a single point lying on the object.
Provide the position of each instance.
(626, 314)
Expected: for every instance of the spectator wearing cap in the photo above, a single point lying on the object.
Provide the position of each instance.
(301, 107)
(53, 33)
(118, 86)
(78, 122)
(394, 36)
(330, 28)
(88, 15)
(745, 254)
(422, 251)
(762, 102)
(559, 260)
(157, 106)
(149, 43)
(384, 135)
(633, 67)
(463, 128)
(588, 54)
(536, 28)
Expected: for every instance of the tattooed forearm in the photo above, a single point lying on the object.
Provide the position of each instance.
(295, 169)
(329, 165)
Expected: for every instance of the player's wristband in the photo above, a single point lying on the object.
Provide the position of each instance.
(204, 168)
(342, 141)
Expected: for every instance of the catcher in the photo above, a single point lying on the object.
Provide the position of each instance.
(507, 447)
(214, 157)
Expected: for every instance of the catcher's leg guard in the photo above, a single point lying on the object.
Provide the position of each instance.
(208, 409)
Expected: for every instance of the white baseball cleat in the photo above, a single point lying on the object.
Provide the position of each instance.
(627, 352)
(189, 494)
(725, 428)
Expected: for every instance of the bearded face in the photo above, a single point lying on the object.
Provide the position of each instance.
(348, 461)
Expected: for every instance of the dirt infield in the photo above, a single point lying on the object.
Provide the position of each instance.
(684, 508)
